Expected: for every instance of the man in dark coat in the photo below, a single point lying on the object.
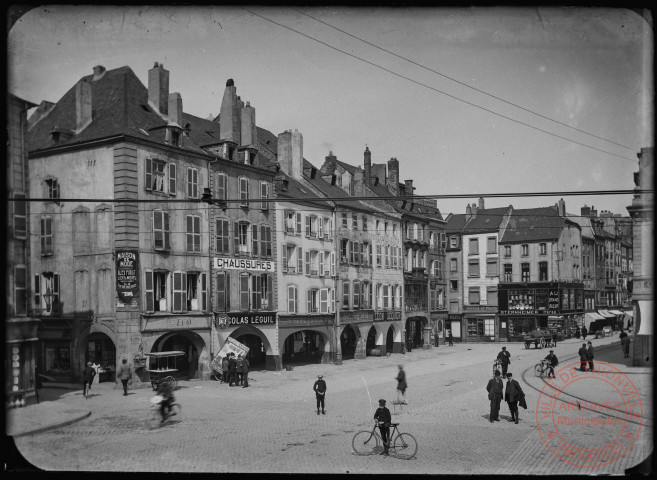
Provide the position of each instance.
(245, 372)
(554, 361)
(238, 371)
(585, 332)
(232, 369)
(582, 358)
(87, 378)
(495, 389)
(512, 395)
(505, 360)
(401, 384)
(320, 392)
(589, 356)
(383, 417)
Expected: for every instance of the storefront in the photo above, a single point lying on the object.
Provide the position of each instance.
(453, 326)
(20, 361)
(305, 339)
(393, 333)
(479, 323)
(438, 322)
(257, 331)
(415, 327)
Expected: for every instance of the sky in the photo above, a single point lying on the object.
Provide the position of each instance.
(469, 100)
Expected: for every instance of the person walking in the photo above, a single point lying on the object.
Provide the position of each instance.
(495, 389)
(450, 338)
(320, 392)
(224, 370)
(582, 358)
(401, 384)
(124, 373)
(625, 344)
(245, 372)
(554, 339)
(384, 419)
(554, 361)
(585, 332)
(232, 366)
(238, 371)
(88, 375)
(505, 360)
(512, 395)
(589, 355)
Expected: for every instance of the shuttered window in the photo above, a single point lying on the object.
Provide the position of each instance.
(161, 232)
(179, 292)
(46, 236)
(244, 291)
(222, 236)
(223, 292)
(193, 223)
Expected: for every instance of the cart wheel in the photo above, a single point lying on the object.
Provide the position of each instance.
(527, 344)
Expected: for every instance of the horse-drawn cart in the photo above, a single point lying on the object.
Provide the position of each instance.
(538, 338)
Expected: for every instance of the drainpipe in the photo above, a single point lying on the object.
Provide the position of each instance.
(211, 273)
(336, 326)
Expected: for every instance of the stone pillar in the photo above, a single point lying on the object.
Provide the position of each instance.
(426, 343)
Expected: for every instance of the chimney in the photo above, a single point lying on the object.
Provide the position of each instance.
(585, 211)
(474, 209)
(158, 88)
(379, 173)
(468, 212)
(82, 105)
(249, 133)
(594, 212)
(290, 153)
(368, 166)
(99, 72)
(562, 208)
(408, 187)
(393, 176)
(176, 108)
(481, 203)
(297, 155)
(229, 115)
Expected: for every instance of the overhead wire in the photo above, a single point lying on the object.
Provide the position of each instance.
(440, 91)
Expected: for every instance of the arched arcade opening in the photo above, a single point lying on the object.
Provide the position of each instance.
(349, 341)
(185, 341)
(304, 347)
(101, 351)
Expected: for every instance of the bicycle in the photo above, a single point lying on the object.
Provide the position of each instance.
(168, 379)
(402, 445)
(497, 366)
(543, 368)
(174, 409)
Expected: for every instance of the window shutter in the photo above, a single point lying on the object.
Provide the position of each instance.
(37, 291)
(264, 193)
(189, 220)
(254, 240)
(194, 183)
(158, 236)
(291, 300)
(225, 237)
(179, 291)
(298, 224)
(167, 241)
(55, 291)
(320, 227)
(299, 260)
(188, 181)
(197, 233)
(149, 174)
(284, 257)
(321, 264)
(323, 300)
(332, 301)
(172, 179)
(332, 264)
(270, 292)
(237, 237)
(221, 292)
(307, 263)
(309, 303)
(307, 226)
(244, 291)
(150, 304)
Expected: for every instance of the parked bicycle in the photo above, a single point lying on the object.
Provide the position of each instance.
(402, 445)
(544, 369)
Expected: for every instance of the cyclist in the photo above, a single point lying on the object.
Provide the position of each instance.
(165, 390)
(382, 416)
(554, 361)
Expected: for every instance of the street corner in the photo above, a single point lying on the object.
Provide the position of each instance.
(42, 417)
(589, 418)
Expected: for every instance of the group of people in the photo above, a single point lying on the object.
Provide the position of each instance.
(235, 370)
(512, 394)
(586, 356)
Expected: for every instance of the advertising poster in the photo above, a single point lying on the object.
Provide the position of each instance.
(127, 284)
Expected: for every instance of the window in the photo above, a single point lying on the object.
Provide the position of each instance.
(397, 304)
(20, 290)
(156, 177)
(473, 295)
(354, 221)
(474, 246)
(364, 223)
(491, 296)
(46, 236)
(241, 238)
(244, 291)
(312, 300)
(254, 240)
(103, 226)
(454, 285)
(288, 257)
(345, 295)
(46, 292)
(453, 265)
(264, 194)
(443, 240)
(292, 299)
(542, 248)
(81, 231)
(223, 292)
(432, 240)
(507, 250)
(244, 192)
(345, 223)
(378, 256)
(52, 188)
(453, 242)
(542, 271)
(221, 186)
(491, 268)
(261, 292)
(357, 295)
(491, 245)
(311, 226)
(328, 228)
(156, 291)
(161, 233)
(192, 182)
(508, 272)
(265, 241)
(524, 272)
(525, 250)
(473, 268)
(193, 223)
(20, 216)
(386, 297)
(222, 236)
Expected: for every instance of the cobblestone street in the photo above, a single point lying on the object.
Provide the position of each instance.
(272, 426)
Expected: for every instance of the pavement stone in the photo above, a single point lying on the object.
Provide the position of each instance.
(272, 426)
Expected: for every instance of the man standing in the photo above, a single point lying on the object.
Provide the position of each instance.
(87, 378)
(124, 373)
(505, 360)
(320, 392)
(232, 365)
(512, 395)
(238, 370)
(245, 372)
(582, 358)
(625, 344)
(451, 338)
(585, 332)
(224, 369)
(495, 389)
(401, 384)
(589, 355)
(382, 415)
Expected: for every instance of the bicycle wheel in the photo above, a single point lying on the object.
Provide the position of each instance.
(404, 446)
(171, 381)
(367, 443)
(538, 370)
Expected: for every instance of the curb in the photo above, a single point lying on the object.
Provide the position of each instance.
(53, 426)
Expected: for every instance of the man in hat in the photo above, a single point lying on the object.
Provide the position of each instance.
(495, 389)
(512, 395)
(554, 361)
(382, 416)
(320, 391)
(87, 378)
(505, 360)
(582, 358)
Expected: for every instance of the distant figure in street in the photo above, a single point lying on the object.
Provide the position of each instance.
(88, 375)
(554, 361)
(224, 369)
(589, 355)
(124, 373)
(495, 389)
(585, 332)
(232, 366)
(577, 333)
(505, 360)
(625, 344)
(238, 371)
(384, 419)
(512, 395)
(554, 339)
(401, 384)
(320, 392)
(582, 358)
(450, 338)
(245, 372)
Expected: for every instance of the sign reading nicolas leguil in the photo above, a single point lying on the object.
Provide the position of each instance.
(127, 283)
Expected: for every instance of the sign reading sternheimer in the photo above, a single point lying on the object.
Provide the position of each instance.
(244, 264)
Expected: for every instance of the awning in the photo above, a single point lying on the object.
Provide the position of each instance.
(645, 312)
(590, 317)
(617, 312)
(606, 313)
(629, 313)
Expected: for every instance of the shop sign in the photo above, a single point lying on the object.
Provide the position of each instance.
(454, 316)
(176, 322)
(553, 300)
(480, 308)
(387, 316)
(355, 317)
(225, 320)
(127, 283)
(314, 321)
(528, 312)
(229, 263)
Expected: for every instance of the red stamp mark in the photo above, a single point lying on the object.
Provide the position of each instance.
(589, 419)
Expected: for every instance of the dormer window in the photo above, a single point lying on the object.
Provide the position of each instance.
(174, 135)
(52, 188)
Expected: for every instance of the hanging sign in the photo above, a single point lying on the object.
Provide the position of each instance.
(127, 283)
